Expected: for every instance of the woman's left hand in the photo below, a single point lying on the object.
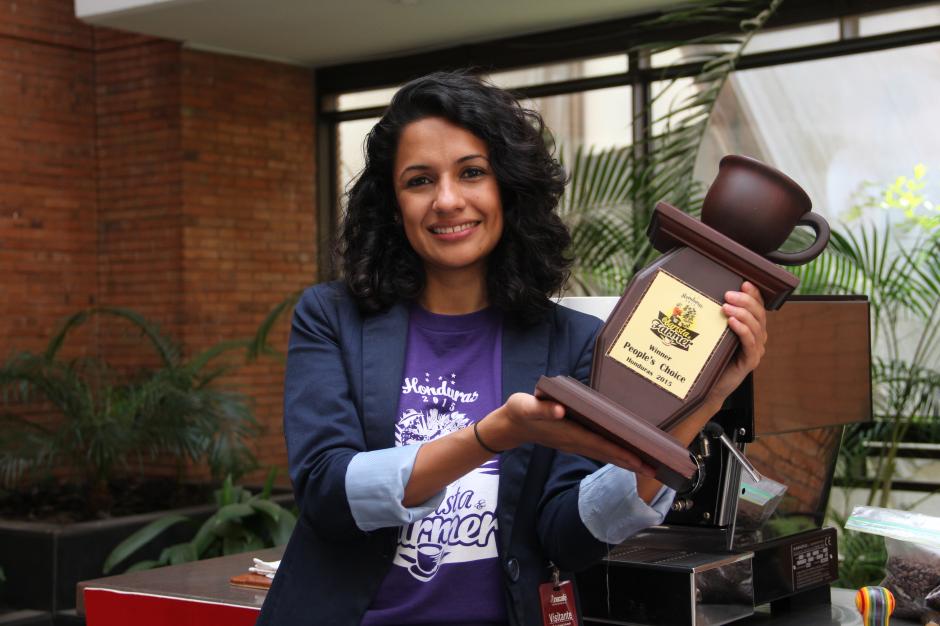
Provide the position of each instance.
(747, 318)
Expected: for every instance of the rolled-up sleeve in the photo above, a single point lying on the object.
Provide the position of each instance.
(375, 486)
(611, 508)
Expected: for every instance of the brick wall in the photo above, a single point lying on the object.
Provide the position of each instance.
(136, 173)
(248, 232)
(48, 222)
(138, 147)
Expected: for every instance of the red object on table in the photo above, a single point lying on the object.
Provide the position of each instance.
(109, 607)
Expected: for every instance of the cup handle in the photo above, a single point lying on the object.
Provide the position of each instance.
(821, 227)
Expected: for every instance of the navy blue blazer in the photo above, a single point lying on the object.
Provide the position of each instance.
(342, 387)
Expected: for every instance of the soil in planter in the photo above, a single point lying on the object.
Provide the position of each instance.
(68, 503)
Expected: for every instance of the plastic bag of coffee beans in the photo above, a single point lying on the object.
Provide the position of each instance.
(912, 542)
(911, 573)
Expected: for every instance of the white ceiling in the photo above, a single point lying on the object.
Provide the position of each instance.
(326, 32)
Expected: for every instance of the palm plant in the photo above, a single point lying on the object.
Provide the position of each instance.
(610, 199)
(111, 420)
(899, 270)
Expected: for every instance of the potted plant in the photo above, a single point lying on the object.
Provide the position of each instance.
(110, 424)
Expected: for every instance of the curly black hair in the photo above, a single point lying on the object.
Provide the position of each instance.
(528, 264)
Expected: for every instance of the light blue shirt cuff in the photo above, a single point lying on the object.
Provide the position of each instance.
(611, 508)
(375, 486)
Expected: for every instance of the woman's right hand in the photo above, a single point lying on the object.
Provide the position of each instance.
(525, 418)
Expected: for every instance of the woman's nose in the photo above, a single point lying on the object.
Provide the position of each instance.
(449, 196)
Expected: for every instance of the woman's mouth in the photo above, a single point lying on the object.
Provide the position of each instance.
(454, 231)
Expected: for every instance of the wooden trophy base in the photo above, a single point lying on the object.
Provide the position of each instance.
(673, 465)
(666, 342)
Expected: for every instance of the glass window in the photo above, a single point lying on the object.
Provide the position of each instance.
(351, 137)
(763, 41)
(558, 72)
(902, 19)
(600, 118)
(671, 103)
(793, 37)
(363, 99)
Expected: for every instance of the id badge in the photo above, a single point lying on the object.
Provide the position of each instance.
(558, 606)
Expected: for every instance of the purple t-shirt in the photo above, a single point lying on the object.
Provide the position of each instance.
(445, 569)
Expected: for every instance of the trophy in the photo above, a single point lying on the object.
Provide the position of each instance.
(666, 342)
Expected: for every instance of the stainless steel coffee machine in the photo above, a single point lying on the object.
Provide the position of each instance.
(747, 530)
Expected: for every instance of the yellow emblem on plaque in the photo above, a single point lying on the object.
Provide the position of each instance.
(670, 335)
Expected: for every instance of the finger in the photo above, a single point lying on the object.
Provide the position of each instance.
(747, 310)
(557, 410)
(751, 289)
(527, 406)
(759, 309)
(548, 410)
(746, 317)
(747, 301)
(752, 350)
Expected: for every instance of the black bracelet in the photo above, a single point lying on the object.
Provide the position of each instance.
(480, 441)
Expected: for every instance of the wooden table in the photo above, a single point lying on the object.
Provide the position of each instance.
(193, 593)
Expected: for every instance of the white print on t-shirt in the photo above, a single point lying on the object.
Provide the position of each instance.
(439, 393)
(463, 528)
(420, 426)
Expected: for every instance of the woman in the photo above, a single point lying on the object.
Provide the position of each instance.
(433, 487)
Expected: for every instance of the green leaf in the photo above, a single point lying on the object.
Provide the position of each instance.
(227, 493)
(285, 526)
(142, 565)
(139, 539)
(216, 525)
(241, 543)
(271, 509)
(259, 344)
(179, 553)
(269, 483)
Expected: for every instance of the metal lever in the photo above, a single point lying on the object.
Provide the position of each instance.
(715, 431)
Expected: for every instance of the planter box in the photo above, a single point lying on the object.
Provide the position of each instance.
(44, 562)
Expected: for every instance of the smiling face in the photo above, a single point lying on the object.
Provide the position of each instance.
(448, 197)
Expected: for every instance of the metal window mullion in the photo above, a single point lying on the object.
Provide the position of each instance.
(641, 95)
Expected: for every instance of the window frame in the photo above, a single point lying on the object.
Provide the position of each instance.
(573, 44)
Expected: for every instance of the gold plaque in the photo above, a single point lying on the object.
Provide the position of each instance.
(670, 335)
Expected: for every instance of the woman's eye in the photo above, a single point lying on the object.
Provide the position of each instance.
(474, 172)
(417, 180)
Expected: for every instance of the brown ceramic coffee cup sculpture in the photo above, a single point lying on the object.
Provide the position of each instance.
(666, 342)
(758, 207)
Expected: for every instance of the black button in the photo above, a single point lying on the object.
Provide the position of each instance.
(512, 568)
